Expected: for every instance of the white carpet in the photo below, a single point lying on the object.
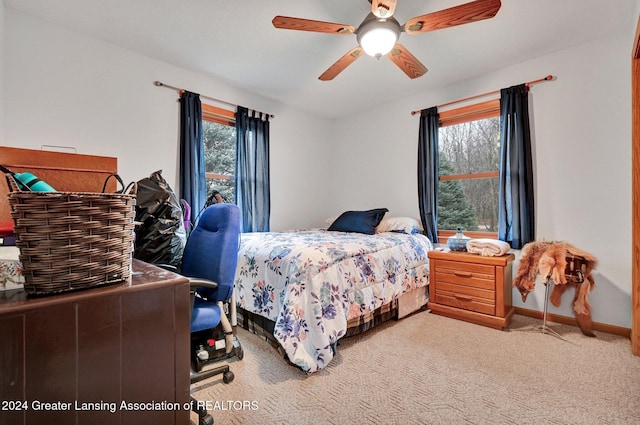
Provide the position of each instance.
(428, 369)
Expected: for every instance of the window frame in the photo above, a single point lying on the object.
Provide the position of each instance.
(219, 116)
(474, 112)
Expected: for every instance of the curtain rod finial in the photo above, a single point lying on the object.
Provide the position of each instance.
(158, 83)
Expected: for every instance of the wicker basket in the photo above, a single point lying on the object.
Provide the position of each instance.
(72, 240)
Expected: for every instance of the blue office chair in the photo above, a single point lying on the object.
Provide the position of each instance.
(209, 261)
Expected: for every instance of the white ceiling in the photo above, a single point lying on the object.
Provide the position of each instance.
(236, 42)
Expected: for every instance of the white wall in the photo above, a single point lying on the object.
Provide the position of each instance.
(582, 141)
(63, 88)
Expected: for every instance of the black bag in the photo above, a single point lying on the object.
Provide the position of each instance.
(160, 232)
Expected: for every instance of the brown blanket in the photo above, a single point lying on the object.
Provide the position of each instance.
(567, 266)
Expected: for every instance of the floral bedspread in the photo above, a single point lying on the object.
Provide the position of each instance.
(310, 283)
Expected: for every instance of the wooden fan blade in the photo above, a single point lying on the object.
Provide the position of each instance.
(383, 8)
(299, 24)
(341, 64)
(457, 15)
(406, 61)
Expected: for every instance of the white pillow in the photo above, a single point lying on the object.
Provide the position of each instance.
(399, 224)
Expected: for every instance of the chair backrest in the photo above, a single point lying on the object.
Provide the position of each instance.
(211, 251)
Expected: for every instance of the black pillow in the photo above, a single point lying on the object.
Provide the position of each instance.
(359, 221)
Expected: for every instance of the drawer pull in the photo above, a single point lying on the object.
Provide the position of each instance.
(463, 297)
(462, 274)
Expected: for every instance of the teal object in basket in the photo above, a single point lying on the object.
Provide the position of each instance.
(28, 181)
(458, 242)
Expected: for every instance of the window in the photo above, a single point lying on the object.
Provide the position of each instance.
(219, 134)
(469, 155)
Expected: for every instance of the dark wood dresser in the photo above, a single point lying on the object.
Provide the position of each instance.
(117, 354)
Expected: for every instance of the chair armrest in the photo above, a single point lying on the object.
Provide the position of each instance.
(168, 267)
(196, 283)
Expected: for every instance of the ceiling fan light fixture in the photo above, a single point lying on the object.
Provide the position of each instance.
(377, 37)
(379, 32)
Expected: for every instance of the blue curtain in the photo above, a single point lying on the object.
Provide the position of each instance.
(252, 170)
(516, 221)
(193, 185)
(428, 171)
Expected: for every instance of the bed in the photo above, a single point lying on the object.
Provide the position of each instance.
(311, 288)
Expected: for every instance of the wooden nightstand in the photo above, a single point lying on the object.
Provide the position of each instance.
(471, 287)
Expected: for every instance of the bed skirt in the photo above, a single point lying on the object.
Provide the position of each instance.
(408, 303)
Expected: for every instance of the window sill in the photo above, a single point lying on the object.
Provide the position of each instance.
(444, 234)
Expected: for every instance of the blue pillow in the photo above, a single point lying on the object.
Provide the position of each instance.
(359, 221)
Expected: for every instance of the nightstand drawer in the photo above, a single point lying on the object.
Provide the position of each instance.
(486, 295)
(447, 266)
(466, 302)
(465, 274)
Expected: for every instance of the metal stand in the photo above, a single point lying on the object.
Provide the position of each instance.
(544, 328)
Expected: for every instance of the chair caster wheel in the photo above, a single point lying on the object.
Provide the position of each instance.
(198, 366)
(227, 377)
(206, 420)
(239, 353)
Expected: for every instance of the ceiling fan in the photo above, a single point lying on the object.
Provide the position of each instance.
(378, 33)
